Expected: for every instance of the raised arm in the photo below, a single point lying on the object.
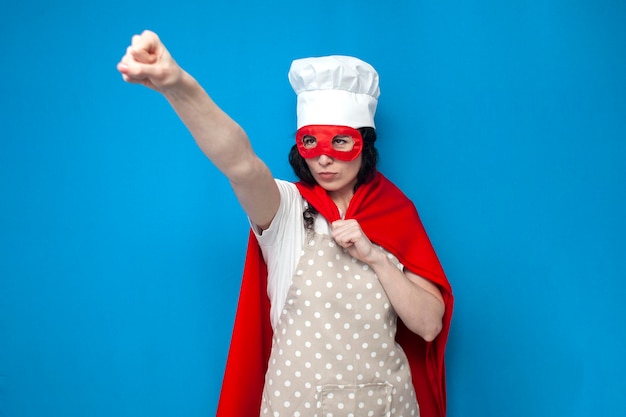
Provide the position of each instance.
(222, 140)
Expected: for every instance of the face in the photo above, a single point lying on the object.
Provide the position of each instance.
(333, 155)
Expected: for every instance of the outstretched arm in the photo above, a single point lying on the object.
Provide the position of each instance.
(222, 140)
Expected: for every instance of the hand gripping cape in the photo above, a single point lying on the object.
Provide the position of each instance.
(389, 219)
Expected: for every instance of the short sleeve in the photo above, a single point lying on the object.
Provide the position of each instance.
(281, 245)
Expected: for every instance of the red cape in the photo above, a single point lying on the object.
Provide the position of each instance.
(387, 218)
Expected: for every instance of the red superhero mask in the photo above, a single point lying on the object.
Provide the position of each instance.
(340, 142)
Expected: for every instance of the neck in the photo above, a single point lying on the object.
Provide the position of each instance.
(342, 200)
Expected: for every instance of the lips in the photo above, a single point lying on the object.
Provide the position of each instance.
(326, 175)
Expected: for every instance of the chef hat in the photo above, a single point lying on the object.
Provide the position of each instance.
(334, 90)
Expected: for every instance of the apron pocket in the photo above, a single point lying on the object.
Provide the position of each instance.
(372, 400)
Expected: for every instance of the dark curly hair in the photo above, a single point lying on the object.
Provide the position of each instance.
(366, 172)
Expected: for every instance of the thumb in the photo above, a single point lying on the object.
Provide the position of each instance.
(133, 71)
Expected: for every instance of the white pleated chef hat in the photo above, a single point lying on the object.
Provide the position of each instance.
(334, 90)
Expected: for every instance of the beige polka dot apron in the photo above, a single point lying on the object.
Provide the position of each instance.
(334, 352)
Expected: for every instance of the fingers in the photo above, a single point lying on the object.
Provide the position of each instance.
(144, 47)
(346, 232)
(142, 52)
(349, 235)
(148, 62)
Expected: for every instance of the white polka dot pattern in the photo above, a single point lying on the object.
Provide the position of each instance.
(334, 352)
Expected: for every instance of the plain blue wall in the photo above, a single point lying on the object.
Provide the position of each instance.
(121, 247)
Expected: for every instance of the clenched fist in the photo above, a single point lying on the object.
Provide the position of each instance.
(349, 235)
(148, 62)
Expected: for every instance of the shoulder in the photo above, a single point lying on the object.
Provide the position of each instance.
(290, 197)
(285, 186)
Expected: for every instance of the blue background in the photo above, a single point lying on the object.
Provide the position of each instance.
(121, 246)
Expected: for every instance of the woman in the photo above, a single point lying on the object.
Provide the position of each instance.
(341, 254)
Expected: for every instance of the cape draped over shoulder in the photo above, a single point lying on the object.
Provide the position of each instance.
(389, 219)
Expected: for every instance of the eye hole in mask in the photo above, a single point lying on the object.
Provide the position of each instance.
(340, 142)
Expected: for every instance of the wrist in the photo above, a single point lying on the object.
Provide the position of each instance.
(378, 258)
(178, 84)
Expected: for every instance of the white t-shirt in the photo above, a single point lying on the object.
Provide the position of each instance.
(282, 244)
